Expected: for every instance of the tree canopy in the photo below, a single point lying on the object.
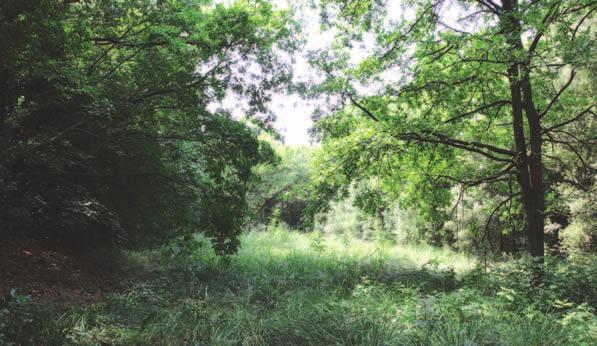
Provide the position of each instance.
(474, 94)
(110, 129)
(106, 128)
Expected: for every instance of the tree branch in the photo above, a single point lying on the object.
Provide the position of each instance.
(362, 108)
(439, 138)
(477, 110)
(557, 96)
(474, 147)
(551, 14)
(571, 120)
(490, 5)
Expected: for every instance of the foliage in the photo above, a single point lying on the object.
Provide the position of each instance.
(105, 126)
(280, 189)
(279, 289)
(445, 151)
(478, 95)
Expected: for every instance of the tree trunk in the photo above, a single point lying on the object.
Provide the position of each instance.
(529, 167)
(535, 229)
(536, 207)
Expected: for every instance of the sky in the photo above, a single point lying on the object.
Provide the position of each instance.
(293, 112)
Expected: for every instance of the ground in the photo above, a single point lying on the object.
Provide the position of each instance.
(288, 288)
(52, 274)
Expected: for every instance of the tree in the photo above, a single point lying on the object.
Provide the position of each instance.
(106, 131)
(482, 99)
(280, 188)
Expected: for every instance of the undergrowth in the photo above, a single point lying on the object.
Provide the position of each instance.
(287, 288)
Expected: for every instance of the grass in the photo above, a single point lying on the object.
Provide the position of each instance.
(287, 288)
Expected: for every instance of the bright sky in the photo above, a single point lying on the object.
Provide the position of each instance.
(293, 112)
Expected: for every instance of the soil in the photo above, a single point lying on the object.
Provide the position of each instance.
(51, 274)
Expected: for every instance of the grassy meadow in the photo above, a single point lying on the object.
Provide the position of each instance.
(290, 288)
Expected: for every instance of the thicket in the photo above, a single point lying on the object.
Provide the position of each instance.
(107, 132)
(280, 189)
(373, 208)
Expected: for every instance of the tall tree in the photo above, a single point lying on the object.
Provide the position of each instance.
(476, 89)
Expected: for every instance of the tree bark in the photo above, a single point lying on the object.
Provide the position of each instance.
(536, 207)
(529, 167)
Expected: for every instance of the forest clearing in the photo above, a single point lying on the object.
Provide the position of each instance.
(292, 288)
(318, 172)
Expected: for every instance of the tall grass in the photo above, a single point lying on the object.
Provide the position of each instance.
(281, 242)
(288, 288)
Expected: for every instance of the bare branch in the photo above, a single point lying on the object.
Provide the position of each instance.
(490, 5)
(547, 20)
(581, 21)
(499, 206)
(439, 138)
(474, 147)
(410, 29)
(499, 176)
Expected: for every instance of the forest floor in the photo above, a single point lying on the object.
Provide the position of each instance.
(288, 288)
(51, 274)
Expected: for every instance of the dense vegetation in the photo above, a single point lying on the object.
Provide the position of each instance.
(502, 109)
(106, 131)
(450, 198)
(290, 288)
